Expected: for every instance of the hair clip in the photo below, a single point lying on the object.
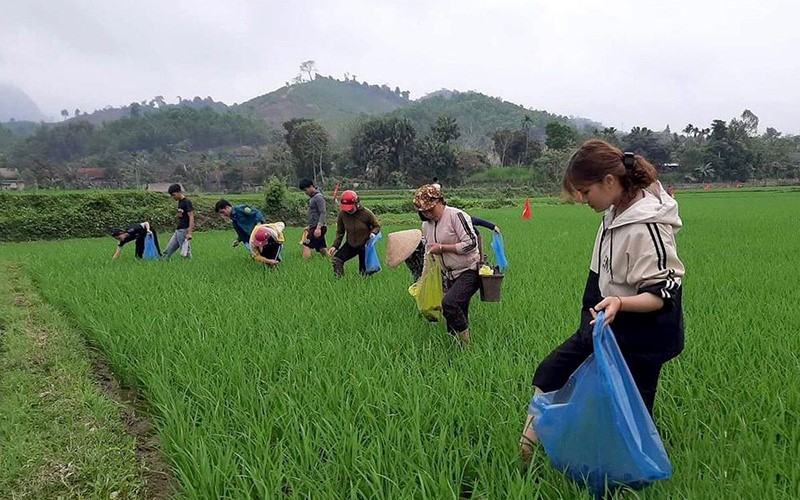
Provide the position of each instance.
(629, 160)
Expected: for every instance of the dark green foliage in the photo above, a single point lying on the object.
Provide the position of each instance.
(274, 195)
(310, 148)
(560, 136)
(515, 147)
(52, 215)
(192, 128)
(478, 116)
(49, 215)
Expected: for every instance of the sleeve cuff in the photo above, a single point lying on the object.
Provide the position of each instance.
(666, 290)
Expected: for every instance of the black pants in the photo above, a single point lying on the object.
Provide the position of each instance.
(271, 250)
(455, 304)
(555, 370)
(316, 243)
(139, 249)
(416, 262)
(347, 252)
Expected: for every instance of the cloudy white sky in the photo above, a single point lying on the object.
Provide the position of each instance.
(622, 62)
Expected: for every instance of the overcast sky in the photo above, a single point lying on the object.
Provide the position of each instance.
(621, 62)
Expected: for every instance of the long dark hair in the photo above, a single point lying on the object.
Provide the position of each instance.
(595, 159)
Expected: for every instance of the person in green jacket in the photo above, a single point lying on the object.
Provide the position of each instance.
(360, 225)
(243, 218)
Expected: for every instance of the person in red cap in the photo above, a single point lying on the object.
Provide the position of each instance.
(266, 243)
(360, 225)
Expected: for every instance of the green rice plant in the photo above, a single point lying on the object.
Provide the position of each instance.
(270, 382)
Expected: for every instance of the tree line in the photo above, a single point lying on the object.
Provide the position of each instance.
(225, 151)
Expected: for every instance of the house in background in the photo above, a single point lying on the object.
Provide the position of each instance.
(159, 187)
(10, 179)
(92, 178)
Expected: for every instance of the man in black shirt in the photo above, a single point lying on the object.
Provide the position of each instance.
(183, 232)
(137, 233)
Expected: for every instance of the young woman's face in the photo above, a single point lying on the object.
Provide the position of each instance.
(600, 195)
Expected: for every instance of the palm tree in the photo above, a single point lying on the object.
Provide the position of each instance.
(705, 172)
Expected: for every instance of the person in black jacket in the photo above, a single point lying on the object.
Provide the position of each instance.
(136, 233)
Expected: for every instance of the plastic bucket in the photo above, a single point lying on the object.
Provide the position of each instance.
(490, 287)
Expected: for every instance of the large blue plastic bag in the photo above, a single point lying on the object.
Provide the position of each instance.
(499, 251)
(150, 250)
(596, 428)
(373, 263)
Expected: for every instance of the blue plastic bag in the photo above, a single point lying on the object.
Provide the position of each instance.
(150, 250)
(499, 251)
(596, 428)
(373, 263)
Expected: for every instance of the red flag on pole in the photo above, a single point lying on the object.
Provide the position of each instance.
(335, 191)
(526, 212)
(707, 187)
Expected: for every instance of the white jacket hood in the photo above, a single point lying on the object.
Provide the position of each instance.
(656, 207)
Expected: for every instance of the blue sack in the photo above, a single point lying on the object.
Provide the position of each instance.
(373, 263)
(499, 251)
(150, 250)
(596, 428)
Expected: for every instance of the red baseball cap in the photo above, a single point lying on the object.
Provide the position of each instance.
(348, 200)
(261, 237)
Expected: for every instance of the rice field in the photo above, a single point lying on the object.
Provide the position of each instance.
(286, 382)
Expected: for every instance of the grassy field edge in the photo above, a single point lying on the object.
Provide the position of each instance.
(66, 429)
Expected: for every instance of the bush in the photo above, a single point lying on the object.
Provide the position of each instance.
(52, 215)
(274, 195)
(46, 215)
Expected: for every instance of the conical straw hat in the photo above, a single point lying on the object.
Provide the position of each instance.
(400, 245)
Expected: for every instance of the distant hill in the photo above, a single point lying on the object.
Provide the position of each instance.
(446, 93)
(17, 105)
(342, 105)
(332, 102)
(147, 106)
(478, 115)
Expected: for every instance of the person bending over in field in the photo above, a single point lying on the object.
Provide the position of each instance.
(266, 243)
(635, 274)
(360, 225)
(137, 233)
(448, 232)
(243, 219)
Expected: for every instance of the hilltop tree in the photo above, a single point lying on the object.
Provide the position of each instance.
(64, 114)
(309, 67)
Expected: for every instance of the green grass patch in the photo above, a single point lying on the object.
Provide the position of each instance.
(59, 436)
